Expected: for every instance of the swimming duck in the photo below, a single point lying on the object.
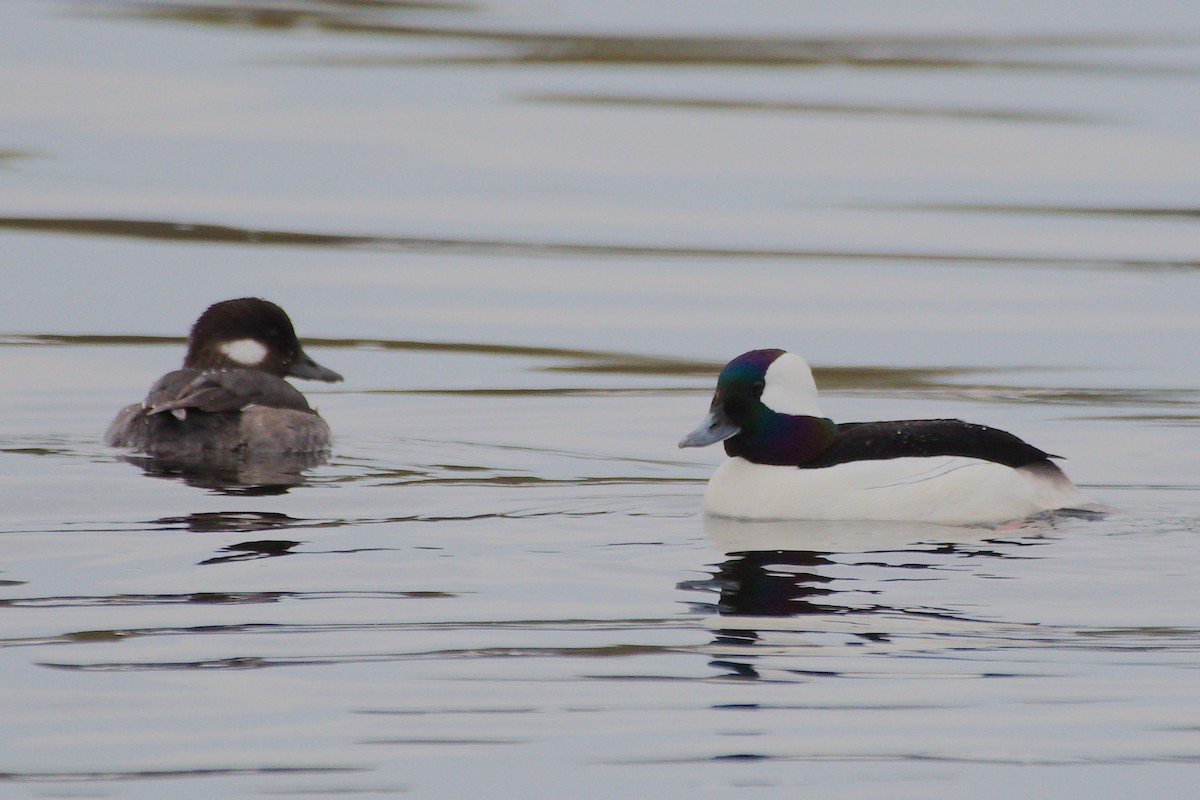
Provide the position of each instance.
(230, 396)
(789, 461)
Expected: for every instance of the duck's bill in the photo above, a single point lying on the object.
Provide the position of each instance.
(305, 367)
(716, 427)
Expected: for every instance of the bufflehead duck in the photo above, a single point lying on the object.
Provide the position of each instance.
(230, 398)
(788, 461)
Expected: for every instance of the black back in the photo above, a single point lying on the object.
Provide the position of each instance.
(872, 441)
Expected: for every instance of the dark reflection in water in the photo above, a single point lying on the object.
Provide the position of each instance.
(174, 231)
(273, 15)
(777, 582)
(125, 600)
(210, 598)
(251, 522)
(250, 551)
(235, 522)
(770, 583)
(857, 109)
(1137, 212)
(486, 44)
(767, 583)
(242, 476)
(117, 776)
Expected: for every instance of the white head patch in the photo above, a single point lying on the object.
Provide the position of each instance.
(249, 352)
(790, 387)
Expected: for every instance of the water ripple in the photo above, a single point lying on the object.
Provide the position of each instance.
(163, 230)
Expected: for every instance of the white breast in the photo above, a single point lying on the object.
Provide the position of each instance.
(948, 490)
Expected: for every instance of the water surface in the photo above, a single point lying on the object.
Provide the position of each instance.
(529, 235)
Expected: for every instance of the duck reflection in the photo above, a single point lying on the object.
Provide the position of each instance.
(774, 569)
(794, 569)
(235, 522)
(251, 551)
(772, 583)
(233, 475)
(242, 522)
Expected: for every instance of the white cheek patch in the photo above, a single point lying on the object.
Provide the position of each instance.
(790, 387)
(249, 352)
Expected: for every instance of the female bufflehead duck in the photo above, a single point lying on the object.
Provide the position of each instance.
(790, 462)
(230, 397)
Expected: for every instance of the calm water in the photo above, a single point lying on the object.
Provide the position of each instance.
(529, 234)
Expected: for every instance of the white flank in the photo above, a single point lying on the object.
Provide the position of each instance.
(790, 387)
(249, 352)
(948, 490)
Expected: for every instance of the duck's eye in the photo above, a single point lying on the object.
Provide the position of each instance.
(759, 386)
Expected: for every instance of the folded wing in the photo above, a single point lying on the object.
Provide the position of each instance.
(224, 390)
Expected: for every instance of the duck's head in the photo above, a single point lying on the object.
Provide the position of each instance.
(765, 410)
(249, 332)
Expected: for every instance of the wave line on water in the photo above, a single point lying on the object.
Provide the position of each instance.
(185, 232)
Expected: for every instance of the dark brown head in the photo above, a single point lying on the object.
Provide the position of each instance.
(254, 333)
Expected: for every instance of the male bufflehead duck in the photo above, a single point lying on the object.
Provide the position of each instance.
(230, 398)
(788, 461)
